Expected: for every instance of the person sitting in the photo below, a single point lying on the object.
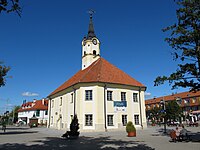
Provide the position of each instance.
(173, 135)
(177, 134)
(184, 134)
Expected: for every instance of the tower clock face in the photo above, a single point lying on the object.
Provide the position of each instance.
(94, 41)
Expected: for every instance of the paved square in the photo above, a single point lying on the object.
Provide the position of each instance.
(44, 138)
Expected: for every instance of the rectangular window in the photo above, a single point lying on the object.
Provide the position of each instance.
(109, 95)
(136, 118)
(135, 97)
(88, 120)
(124, 120)
(88, 95)
(37, 113)
(110, 120)
(60, 101)
(123, 96)
(46, 112)
(72, 98)
(52, 103)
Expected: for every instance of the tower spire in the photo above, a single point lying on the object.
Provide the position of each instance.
(91, 33)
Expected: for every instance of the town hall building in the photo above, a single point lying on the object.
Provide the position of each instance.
(102, 96)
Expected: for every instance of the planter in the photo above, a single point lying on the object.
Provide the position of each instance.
(132, 134)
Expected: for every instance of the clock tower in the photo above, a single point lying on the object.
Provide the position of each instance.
(90, 46)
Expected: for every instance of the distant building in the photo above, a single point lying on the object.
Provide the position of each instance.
(37, 108)
(102, 96)
(188, 101)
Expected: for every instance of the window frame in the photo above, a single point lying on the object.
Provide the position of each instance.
(123, 96)
(72, 97)
(109, 96)
(88, 120)
(37, 113)
(124, 120)
(136, 119)
(60, 101)
(46, 112)
(52, 103)
(88, 95)
(135, 97)
(110, 120)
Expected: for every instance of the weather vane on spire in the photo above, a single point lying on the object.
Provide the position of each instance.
(91, 12)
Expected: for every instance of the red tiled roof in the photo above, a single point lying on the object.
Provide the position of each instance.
(37, 105)
(99, 71)
(172, 97)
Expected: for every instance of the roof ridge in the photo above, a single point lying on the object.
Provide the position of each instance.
(181, 94)
(99, 74)
(89, 69)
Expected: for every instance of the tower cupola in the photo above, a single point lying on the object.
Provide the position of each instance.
(90, 45)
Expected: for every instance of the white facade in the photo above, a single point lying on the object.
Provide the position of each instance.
(90, 51)
(26, 115)
(61, 112)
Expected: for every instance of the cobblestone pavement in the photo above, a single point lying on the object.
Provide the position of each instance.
(50, 139)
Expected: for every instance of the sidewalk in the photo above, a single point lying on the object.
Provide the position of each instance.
(44, 138)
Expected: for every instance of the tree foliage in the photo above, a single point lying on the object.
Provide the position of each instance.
(7, 6)
(3, 72)
(185, 40)
(10, 6)
(15, 113)
(173, 110)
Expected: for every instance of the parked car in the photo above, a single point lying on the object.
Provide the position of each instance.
(173, 123)
(20, 123)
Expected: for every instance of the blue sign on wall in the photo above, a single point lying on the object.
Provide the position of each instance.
(120, 104)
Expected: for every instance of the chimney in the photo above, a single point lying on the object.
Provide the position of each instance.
(43, 101)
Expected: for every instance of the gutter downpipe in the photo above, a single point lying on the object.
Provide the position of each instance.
(74, 101)
(105, 122)
(49, 113)
(140, 107)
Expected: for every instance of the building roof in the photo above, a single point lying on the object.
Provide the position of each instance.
(99, 71)
(172, 97)
(35, 105)
(91, 33)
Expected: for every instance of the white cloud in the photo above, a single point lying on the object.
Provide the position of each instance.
(147, 94)
(29, 94)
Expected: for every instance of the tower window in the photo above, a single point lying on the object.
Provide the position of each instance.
(84, 53)
(94, 52)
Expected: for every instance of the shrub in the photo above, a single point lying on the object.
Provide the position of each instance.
(74, 127)
(130, 127)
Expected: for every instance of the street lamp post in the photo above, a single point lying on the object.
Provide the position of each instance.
(162, 102)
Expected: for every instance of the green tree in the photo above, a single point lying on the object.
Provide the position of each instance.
(155, 113)
(7, 6)
(3, 72)
(173, 110)
(14, 113)
(10, 6)
(185, 40)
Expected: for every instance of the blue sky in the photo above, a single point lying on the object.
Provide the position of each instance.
(43, 47)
